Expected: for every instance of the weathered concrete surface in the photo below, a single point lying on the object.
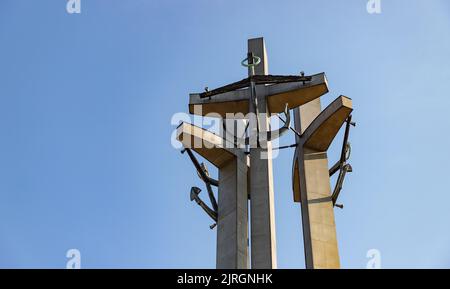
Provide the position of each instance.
(312, 182)
(232, 225)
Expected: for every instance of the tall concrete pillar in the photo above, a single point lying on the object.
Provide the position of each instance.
(232, 224)
(263, 241)
(312, 181)
(232, 217)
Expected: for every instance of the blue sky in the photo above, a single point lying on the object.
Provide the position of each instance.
(86, 101)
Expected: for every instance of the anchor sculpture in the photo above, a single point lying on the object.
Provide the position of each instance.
(342, 166)
(244, 161)
(203, 173)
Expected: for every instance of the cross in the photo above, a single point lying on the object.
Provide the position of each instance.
(247, 175)
(311, 179)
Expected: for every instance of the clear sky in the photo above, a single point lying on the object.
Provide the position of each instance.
(86, 100)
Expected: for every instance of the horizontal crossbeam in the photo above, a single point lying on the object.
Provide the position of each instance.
(280, 90)
(257, 79)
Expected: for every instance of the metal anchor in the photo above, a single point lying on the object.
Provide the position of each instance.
(203, 174)
(342, 166)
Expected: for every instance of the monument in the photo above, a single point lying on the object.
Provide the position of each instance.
(243, 157)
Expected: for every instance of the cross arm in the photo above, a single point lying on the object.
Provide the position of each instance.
(318, 136)
(228, 102)
(210, 146)
(295, 93)
(233, 98)
(321, 132)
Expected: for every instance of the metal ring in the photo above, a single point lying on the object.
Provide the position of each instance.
(256, 60)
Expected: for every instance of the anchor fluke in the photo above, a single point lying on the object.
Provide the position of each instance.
(194, 193)
(195, 197)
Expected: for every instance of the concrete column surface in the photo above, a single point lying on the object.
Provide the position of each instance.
(319, 228)
(263, 239)
(232, 224)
